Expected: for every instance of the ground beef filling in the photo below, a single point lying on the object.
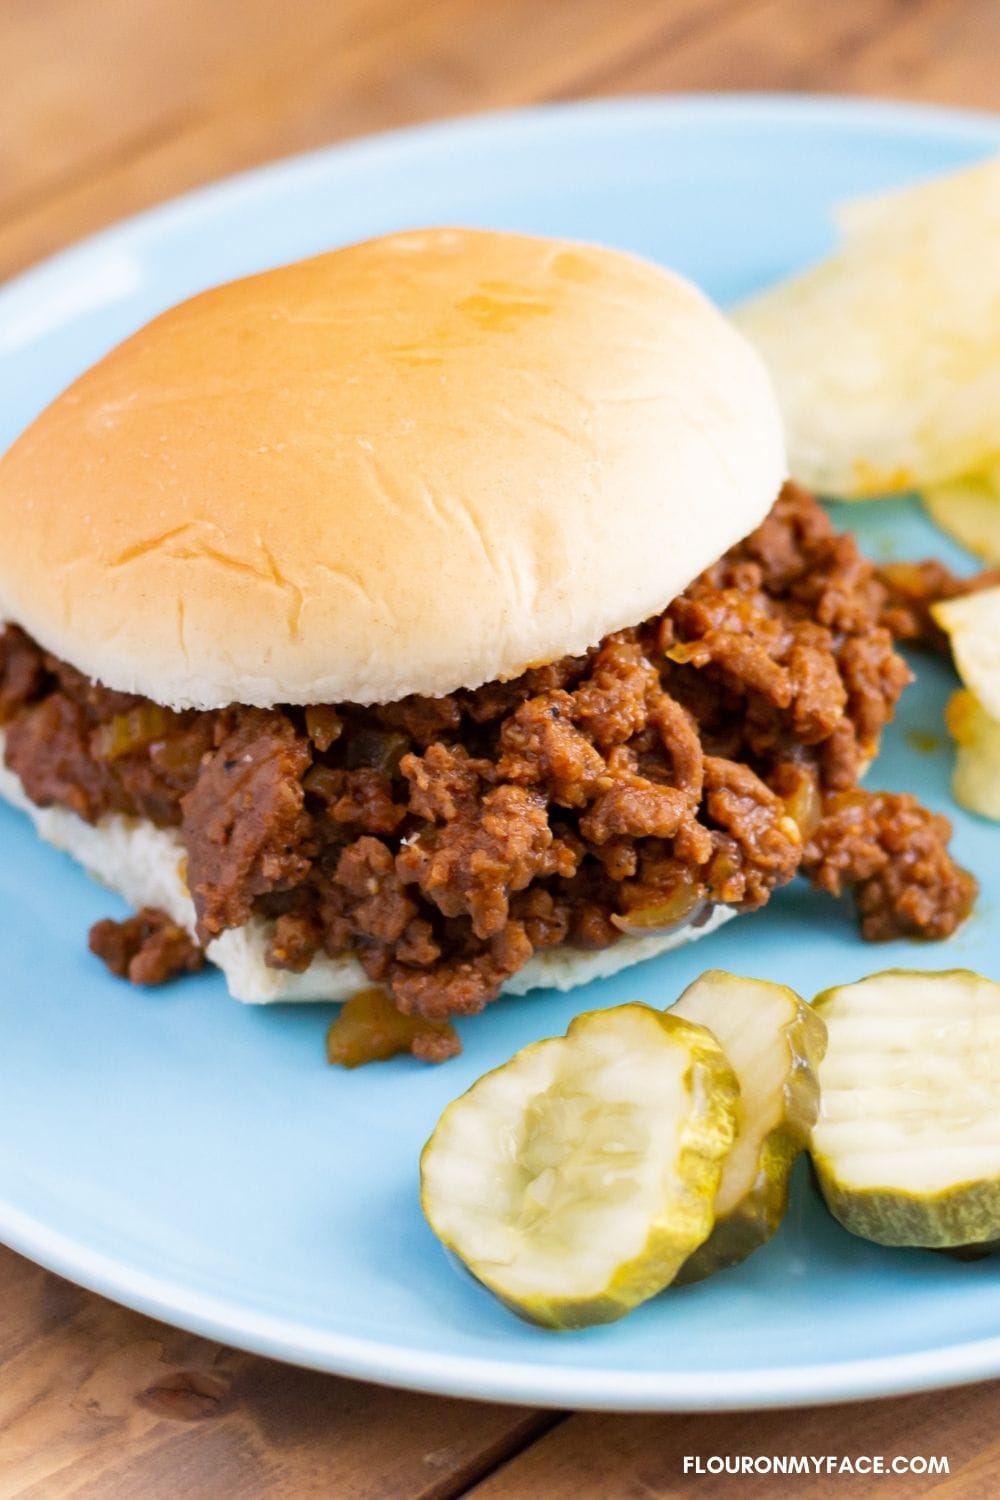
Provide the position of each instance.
(912, 587)
(148, 948)
(702, 757)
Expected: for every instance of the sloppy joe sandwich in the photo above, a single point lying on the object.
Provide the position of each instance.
(434, 613)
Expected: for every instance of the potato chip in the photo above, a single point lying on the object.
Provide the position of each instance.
(886, 356)
(969, 510)
(972, 623)
(975, 780)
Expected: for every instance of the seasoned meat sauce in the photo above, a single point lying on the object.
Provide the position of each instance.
(148, 948)
(703, 757)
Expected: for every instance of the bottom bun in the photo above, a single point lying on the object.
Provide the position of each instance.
(145, 865)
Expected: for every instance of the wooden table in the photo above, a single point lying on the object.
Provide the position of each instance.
(107, 106)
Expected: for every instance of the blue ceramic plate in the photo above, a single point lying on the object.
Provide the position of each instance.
(197, 1159)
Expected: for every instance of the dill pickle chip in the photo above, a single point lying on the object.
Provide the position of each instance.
(774, 1042)
(575, 1180)
(907, 1144)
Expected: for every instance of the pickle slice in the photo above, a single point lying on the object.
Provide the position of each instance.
(774, 1042)
(575, 1180)
(907, 1145)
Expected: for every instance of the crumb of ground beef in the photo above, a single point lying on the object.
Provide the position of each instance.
(148, 949)
(471, 865)
(912, 587)
(294, 941)
(245, 828)
(893, 854)
(692, 760)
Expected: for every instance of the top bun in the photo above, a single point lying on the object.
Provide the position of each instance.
(408, 466)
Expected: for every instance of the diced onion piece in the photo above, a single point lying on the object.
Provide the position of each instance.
(134, 730)
(370, 1028)
(665, 912)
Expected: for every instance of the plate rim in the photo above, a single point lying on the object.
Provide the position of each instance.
(488, 1378)
(508, 1382)
(809, 110)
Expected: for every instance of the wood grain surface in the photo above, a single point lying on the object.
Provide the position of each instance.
(108, 106)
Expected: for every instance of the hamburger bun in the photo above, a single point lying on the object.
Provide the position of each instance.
(408, 466)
